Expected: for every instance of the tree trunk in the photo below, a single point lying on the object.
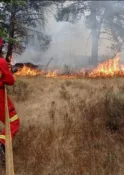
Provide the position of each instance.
(11, 34)
(94, 34)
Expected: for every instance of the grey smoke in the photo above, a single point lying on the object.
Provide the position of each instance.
(70, 44)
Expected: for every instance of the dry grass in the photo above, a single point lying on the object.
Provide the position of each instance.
(71, 127)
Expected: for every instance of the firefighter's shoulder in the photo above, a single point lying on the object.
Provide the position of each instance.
(2, 61)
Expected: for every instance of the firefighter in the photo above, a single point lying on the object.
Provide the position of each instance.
(6, 78)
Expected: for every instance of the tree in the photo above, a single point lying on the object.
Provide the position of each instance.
(20, 16)
(100, 17)
(5, 1)
(2, 30)
(114, 25)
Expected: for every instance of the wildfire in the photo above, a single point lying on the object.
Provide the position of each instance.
(28, 71)
(108, 68)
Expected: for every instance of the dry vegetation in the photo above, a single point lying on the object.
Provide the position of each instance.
(69, 127)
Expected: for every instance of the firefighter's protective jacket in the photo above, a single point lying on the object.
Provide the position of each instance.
(7, 78)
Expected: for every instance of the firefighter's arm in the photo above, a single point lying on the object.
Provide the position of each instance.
(7, 76)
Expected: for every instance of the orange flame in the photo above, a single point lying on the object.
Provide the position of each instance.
(28, 71)
(108, 68)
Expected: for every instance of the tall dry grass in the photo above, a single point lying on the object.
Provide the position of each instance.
(71, 127)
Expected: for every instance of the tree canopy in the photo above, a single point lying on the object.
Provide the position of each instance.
(18, 18)
(100, 17)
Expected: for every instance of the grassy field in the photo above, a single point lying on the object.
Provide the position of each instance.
(69, 127)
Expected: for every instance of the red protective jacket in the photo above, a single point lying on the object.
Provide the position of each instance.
(5, 74)
(7, 78)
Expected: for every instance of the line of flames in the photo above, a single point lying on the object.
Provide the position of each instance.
(108, 68)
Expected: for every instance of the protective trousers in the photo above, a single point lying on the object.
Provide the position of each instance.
(14, 119)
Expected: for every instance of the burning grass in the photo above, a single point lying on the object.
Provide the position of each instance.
(109, 68)
(71, 127)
